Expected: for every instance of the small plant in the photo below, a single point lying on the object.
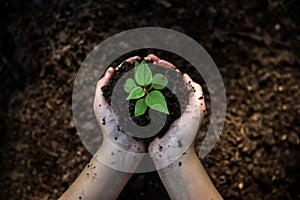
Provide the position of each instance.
(146, 89)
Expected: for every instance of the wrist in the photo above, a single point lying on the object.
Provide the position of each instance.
(121, 159)
(167, 157)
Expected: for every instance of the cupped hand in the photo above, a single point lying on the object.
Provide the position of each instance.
(178, 140)
(112, 135)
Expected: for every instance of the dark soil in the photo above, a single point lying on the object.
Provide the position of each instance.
(255, 44)
(173, 104)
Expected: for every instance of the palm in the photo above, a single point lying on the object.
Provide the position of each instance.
(182, 132)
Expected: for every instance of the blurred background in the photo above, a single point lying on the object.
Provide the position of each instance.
(255, 44)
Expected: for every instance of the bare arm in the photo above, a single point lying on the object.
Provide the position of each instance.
(178, 165)
(97, 181)
(187, 179)
(121, 151)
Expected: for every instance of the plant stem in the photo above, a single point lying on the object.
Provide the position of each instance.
(148, 90)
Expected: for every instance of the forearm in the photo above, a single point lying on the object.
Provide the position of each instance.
(98, 181)
(187, 179)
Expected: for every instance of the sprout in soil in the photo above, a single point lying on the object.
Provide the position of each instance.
(147, 89)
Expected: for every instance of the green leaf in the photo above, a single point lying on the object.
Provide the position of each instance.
(136, 64)
(136, 93)
(159, 81)
(129, 85)
(140, 107)
(157, 101)
(143, 74)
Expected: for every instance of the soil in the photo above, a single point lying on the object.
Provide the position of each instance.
(255, 45)
(173, 103)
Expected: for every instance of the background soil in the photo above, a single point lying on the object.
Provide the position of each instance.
(254, 43)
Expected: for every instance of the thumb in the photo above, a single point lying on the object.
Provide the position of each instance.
(101, 107)
(196, 101)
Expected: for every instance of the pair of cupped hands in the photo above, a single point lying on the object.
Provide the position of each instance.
(184, 129)
(120, 154)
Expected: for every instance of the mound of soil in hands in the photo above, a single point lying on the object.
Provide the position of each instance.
(174, 106)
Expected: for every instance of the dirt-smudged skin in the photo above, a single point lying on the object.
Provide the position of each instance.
(98, 179)
(120, 152)
(182, 177)
(183, 131)
(185, 177)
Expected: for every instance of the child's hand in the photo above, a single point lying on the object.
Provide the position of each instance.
(182, 132)
(106, 121)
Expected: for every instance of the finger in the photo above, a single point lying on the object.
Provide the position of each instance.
(105, 79)
(166, 64)
(157, 60)
(129, 60)
(132, 59)
(196, 98)
(152, 57)
(99, 98)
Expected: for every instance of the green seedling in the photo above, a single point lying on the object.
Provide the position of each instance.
(145, 88)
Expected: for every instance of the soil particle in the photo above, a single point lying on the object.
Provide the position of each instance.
(179, 143)
(160, 148)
